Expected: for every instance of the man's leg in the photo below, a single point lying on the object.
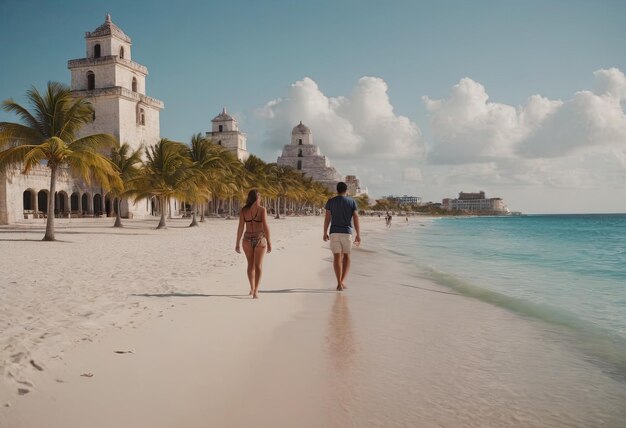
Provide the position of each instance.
(337, 265)
(345, 268)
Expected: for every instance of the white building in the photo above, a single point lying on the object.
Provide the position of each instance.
(304, 156)
(116, 87)
(475, 202)
(225, 132)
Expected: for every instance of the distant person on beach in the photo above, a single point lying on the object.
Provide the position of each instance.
(256, 238)
(388, 220)
(340, 212)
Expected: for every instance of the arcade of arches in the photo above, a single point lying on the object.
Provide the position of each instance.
(35, 204)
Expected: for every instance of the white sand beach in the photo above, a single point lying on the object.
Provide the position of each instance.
(144, 328)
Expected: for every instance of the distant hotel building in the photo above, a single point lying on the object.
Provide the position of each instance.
(405, 200)
(474, 202)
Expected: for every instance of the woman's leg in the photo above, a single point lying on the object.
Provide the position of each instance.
(259, 253)
(249, 252)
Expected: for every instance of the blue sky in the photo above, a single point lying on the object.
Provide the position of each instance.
(203, 55)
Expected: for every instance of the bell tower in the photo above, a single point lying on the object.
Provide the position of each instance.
(116, 87)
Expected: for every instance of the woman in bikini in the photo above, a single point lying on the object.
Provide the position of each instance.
(256, 238)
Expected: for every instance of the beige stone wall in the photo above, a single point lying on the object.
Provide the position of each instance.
(13, 185)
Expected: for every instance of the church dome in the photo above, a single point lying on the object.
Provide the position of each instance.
(109, 29)
(301, 129)
(222, 116)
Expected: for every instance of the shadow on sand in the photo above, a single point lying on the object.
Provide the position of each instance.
(230, 296)
(298, 290)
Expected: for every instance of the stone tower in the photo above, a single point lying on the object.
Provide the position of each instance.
(304, 156)
(225, 132)
(116, 87)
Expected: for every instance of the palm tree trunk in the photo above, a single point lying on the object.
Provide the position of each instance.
(202, 207)
(118, 214)
(194, 223)
(277, 206)
(163, 209)
(49, 236)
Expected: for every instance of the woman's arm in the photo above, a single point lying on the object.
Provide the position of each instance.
(239, 232)
(266, 230)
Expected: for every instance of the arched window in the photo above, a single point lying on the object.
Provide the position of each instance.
(93, 116)
(142, 117)
(299, 165)
(300, 141)
(221, 128)
(219, 142)
(134, 85)
(91, 81)
(96, 51)
(299, 153)
(122, 52)
(28, 200)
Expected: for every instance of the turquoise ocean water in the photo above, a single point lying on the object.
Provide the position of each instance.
(564, 270)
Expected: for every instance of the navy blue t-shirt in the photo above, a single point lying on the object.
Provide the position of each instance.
(341, 209)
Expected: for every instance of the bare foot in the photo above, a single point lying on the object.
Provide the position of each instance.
(251, 293)
(255, 295)
(340, 287)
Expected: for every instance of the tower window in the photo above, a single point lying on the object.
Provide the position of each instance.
(221, 128)
(299, 165)
(93, 116)
(134, 85)
(220, 141)
(142, 117)
(91, 81)
(122, 52)
(299, 153)
(96, 51)
(300, 141)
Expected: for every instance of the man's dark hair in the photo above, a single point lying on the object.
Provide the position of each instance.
(342, 187)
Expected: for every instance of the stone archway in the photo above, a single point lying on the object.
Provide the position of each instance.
(108, 206)
(97, 204)
(75, 203)
(29, 203)
(84, 204)
(61, 204)
(29, 200)
(42, 201)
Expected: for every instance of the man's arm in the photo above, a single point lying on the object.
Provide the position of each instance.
(357, 228)
(326, 224)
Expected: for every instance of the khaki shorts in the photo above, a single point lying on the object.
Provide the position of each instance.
(340, 243)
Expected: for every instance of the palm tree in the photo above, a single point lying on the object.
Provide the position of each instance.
(207, 163)
(48, 134)
(127, 163)
(165, 173)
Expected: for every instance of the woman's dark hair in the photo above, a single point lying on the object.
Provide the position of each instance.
(252, 197)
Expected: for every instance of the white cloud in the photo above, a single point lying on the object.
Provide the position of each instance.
(362, 125)
(467, 127)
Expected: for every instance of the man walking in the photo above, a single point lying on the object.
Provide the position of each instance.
(340, 212)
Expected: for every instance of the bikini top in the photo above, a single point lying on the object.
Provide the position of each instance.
(253, 219)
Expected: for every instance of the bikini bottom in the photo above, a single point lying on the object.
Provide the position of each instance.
(257, 239)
